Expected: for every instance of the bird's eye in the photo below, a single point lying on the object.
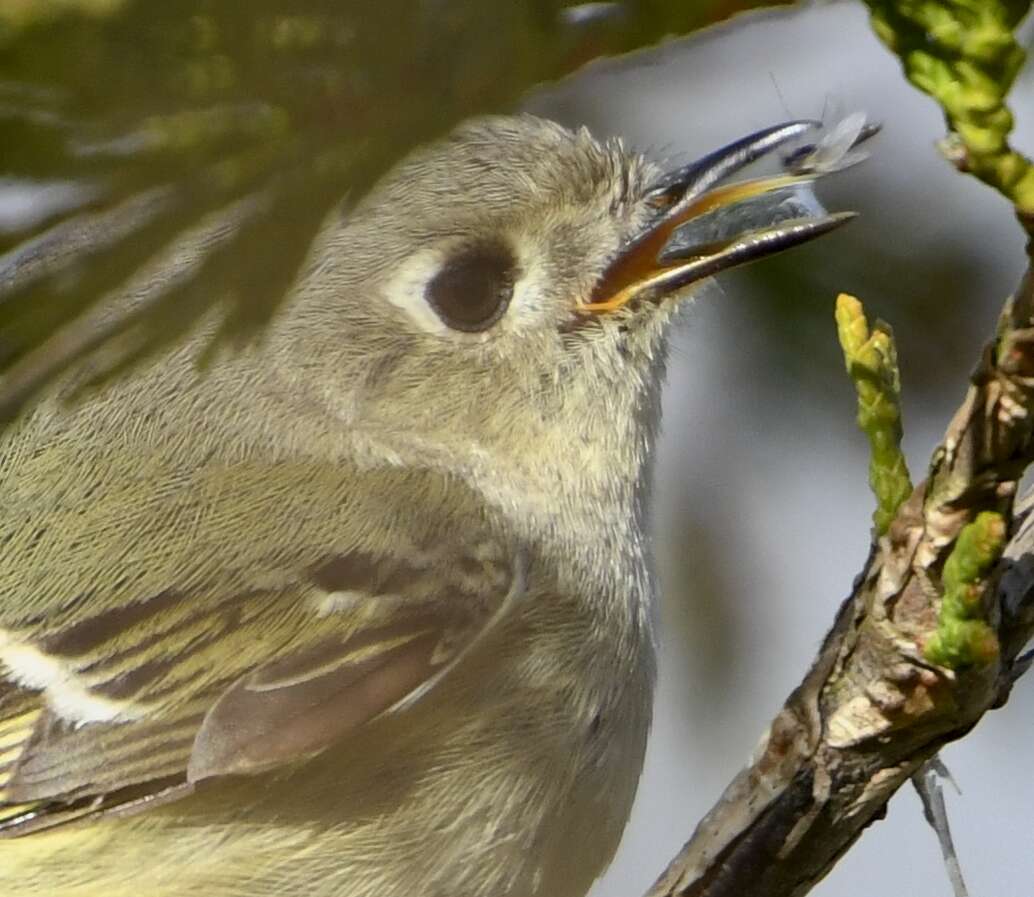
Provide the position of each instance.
(472, 290)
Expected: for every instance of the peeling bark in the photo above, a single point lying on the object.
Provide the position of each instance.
(872, 709)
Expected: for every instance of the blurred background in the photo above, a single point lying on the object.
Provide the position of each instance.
(762, 516)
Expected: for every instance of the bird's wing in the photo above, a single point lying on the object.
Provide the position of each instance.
(138, 701)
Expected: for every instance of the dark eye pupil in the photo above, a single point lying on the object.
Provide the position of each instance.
(473, 288)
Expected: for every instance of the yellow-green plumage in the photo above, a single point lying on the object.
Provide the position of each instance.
(364, 611)
(353, 487)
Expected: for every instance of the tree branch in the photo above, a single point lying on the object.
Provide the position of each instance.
(930, 638)
(873, 708)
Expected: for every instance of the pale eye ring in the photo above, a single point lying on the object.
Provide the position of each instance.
(472, 289)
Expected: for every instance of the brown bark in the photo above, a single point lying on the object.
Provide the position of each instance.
(872, 709)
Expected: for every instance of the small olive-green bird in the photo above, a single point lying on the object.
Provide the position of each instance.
(365, 610)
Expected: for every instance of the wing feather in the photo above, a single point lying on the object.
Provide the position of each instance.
(259, 678)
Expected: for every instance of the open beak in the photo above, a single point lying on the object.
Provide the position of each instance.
(706, 226)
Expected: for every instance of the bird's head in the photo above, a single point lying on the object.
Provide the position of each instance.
(496, 306)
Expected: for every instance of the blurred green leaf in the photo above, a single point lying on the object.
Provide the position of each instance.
(179, 109)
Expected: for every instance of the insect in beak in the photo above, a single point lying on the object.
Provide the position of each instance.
(707, 226)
